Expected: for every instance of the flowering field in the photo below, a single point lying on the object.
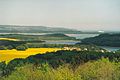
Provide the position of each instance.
(7, 55)
(11, 39)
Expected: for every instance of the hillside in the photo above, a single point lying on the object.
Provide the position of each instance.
(104, 40)
(54, 36)
(34, 29)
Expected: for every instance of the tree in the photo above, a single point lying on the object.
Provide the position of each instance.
(10, 47)
(3, 48)
(22, 47)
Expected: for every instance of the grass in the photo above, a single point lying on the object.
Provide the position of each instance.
(8, 55)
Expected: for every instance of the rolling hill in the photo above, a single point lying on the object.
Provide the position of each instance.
(112, 40)
(34, 29)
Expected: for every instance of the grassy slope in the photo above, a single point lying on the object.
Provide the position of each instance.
(38, 37)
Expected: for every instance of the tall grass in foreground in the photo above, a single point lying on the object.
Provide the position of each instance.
(96, 70)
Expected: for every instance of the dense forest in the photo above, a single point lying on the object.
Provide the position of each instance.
(104, 40)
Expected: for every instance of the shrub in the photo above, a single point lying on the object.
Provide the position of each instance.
(99, 70)
(43, 72)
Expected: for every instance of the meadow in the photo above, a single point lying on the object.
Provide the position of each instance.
(8, 55)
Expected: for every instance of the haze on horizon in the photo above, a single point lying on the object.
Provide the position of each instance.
(76, 14)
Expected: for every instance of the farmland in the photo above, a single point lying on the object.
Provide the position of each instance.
(8, 55)
(11, 39)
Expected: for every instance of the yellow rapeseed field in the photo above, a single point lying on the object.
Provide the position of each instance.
(8, 55)
(11, 39)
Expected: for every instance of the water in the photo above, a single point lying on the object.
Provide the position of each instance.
(77, 36)
(110, 48)
(82, 36)
(62, 42)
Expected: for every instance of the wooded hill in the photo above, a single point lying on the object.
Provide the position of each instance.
(104, 40)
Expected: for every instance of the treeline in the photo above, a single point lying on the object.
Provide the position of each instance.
(18, 45)
(23, 45)
(104, 40)
(55, 59)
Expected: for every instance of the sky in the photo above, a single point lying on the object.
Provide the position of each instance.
(74, 14)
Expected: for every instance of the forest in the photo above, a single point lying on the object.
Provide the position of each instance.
(104, 40)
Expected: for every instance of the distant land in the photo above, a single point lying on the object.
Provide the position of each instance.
(45, 29)
(42, 29)
(34, 29)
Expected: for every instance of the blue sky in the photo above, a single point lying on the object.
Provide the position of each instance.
(77, 14)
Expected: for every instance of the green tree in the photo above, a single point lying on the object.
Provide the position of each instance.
(22, 47)
(3, 48)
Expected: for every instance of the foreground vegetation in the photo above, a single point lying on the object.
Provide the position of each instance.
(101, 69)
(59, 58)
